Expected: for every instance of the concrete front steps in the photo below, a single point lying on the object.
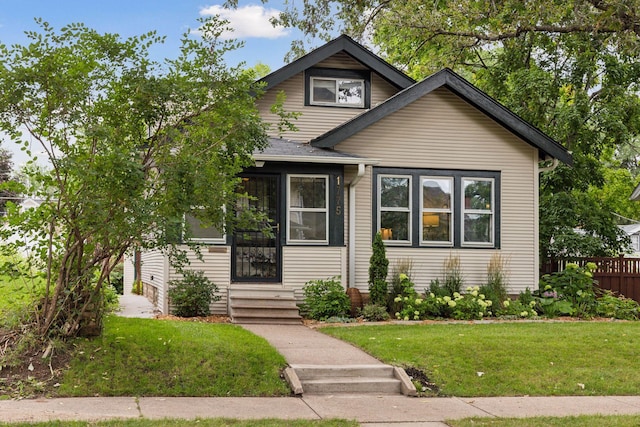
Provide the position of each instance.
(349, 379)
(263, 305)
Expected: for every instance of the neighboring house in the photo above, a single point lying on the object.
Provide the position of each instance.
(633, 232)
(437, 166)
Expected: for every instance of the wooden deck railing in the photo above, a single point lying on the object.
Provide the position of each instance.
(619, 274)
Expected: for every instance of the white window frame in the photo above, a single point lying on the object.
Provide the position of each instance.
(408, 209)
(464, 211)
(206, 240)
(335, 103)
(450, 211)
(303, 210)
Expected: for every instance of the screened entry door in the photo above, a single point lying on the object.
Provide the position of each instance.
(256, 255)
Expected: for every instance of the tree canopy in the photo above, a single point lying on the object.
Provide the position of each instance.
(133, 145)
(571, 68)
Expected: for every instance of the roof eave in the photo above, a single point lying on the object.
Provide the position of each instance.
(353, 49)
(447, 78)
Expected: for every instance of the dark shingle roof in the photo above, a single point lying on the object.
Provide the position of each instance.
(341, 44)
(465, 90)
(284, 150)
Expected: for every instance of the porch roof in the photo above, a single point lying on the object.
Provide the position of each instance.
(285, 150)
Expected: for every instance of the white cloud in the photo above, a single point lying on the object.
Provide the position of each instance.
(248, 21)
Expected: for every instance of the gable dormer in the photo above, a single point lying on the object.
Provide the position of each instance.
(330, 86)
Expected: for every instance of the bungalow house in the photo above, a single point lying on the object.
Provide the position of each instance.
(437, 166)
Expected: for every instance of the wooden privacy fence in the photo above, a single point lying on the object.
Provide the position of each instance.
(618, 274)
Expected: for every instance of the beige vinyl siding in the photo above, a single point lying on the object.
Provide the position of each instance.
(154, 269)
(341, 60)
(304, 263)
(216, 265)
(314, 120)
(129, 275)
(442, 131)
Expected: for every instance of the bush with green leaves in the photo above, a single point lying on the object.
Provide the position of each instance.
(324, 299)
(116, 278)
(617, 306)
(571, 291)
(374, 313)
(468, 306)
(192, 295)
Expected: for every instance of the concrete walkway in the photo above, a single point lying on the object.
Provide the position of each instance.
(299, 344)
(369, 410)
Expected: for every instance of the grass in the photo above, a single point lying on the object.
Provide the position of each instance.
(201, 422)
(17, 295)
(148, 357)
(511, 359)
(576, 421)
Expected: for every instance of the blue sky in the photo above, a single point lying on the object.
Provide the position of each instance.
(170, 18)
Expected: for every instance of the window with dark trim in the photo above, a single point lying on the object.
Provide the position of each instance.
(308, 209)
(329, 87)
(437, 208)
(202, 234)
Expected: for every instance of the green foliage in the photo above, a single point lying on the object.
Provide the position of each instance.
(468, 306)
(400, 281)
(325, 299)
(374, 313)
(571, 291)
(192, 295)
(137, 288)
(133, 144)
(452, 274)
(378, 270)
(617, 307)
(497, 281)
(116, 278)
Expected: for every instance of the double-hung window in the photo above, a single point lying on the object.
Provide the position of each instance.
(478, 211)
(394, 200)
(307, 210)
(437, 208)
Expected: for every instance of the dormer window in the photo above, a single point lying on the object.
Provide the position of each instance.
(337, 88)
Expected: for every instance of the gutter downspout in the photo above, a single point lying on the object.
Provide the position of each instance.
(352, 224)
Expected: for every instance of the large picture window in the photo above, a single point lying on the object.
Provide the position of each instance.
(395, 208)
(307, 211)
(439, 208)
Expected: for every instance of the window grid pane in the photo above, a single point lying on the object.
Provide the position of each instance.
(308, 213)
(437, 195)
(344, 92)
(395, 208)
(478, 218)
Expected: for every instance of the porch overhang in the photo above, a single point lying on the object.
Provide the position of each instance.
(284, 150)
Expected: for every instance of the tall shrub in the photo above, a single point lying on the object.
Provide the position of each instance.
(192, 295)
(378, 269)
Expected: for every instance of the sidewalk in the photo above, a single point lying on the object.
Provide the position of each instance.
(299, 344)
(370, 410)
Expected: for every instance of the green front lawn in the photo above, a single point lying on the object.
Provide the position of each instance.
(149, 357)
(511, 359)
(580, 421)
